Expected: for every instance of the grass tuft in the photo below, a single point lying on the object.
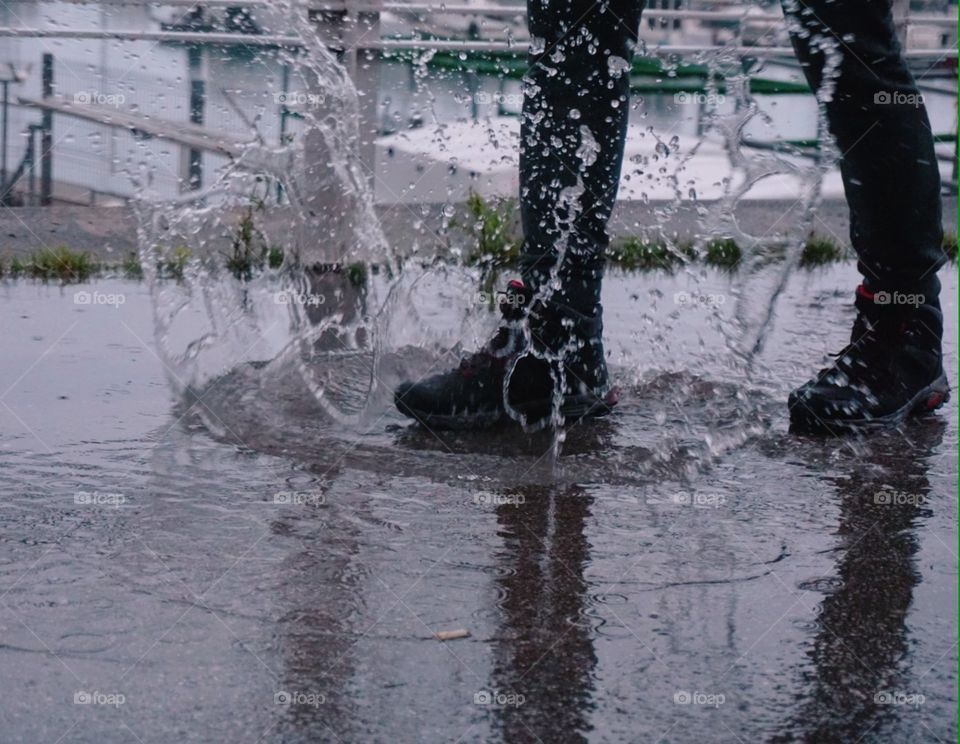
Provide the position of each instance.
(723, 252)
(636, 254)
(493, 230)
(59, 263)
(819, 251)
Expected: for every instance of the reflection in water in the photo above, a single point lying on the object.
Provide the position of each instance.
(545, 651)
(318, 594)
(861, 636)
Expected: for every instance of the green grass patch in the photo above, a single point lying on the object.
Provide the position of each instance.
(493, 232)
(58, 263)
(275, 257)
(820, 250)
(636, 254)
(249, 253)
(723, 253)
(357, 274)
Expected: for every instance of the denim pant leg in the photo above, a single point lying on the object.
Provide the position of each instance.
(573, 128)
(850, 53)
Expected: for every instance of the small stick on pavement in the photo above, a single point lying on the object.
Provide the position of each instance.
(451, 635)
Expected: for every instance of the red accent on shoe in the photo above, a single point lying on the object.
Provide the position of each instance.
(515, 284)
(934, 401)
(864, 292)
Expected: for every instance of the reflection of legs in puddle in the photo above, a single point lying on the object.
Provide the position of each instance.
(544, 658)
(317, 591)
(892, 367)
(861, 640)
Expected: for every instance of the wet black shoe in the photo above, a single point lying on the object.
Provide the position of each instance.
(522, 367)
(892, 368)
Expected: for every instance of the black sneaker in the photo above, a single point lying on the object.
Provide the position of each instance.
(892, 368)
(472, 395)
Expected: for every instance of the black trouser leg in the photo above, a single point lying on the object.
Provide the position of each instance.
(572, 139)
(574, 126)
(851, 57)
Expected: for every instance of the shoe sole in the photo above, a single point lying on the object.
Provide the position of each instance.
(927, 400)
(573, 408)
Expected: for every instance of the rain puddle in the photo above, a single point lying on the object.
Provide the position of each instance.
(216, 527)
(685, 569)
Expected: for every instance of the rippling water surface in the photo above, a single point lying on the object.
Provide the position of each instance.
(685, 570)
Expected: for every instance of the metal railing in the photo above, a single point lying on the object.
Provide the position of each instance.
(353, 28)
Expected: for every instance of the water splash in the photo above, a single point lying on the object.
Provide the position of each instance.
(275, 259)
(285, 267)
